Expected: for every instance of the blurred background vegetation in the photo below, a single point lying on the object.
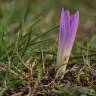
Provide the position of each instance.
(49, 10)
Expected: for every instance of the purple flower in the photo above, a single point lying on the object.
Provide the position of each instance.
(67, 34)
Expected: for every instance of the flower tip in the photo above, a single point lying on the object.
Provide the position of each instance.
(67, 12)
(77, 13)
(76, 16)
(62, 9)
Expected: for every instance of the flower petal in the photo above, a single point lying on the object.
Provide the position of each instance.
(74, 21)
(64, 28)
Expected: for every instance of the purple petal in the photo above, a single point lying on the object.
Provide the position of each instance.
(74, 21)
(64, 26)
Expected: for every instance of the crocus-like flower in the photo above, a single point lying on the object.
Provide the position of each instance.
(67, 34)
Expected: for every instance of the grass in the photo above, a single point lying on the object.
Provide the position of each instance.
(28, 49)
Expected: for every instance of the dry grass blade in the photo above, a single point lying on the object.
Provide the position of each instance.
(36, 84)
(17, 94)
